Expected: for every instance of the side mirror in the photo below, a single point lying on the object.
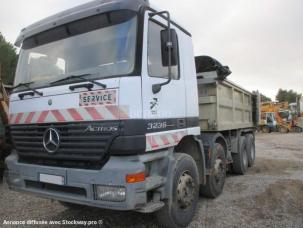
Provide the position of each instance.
(172, 44)
(169, 49)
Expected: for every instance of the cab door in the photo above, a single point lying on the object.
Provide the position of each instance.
(168, 104)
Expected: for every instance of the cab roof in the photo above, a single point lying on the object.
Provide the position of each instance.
(79, 12)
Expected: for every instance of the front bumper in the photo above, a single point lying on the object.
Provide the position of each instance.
(25, 177)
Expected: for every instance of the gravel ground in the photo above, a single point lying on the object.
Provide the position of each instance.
(270, 195)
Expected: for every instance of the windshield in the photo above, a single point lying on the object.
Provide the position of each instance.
(102, 45)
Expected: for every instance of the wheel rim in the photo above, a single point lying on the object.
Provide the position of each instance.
(185, 190)
(244, 156)
(219, 170)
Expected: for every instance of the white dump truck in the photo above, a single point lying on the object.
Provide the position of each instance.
(112, 110)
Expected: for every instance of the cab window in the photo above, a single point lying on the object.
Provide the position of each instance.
(155, 63)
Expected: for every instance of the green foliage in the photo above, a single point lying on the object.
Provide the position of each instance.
(289, 96)
(8, 61)
(265, 98)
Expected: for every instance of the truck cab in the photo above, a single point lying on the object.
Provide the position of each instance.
(101, 69)
(105, 113)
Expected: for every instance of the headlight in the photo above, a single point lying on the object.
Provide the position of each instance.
(110, 193)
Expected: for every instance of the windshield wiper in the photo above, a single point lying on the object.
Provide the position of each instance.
(82, 76)
(26, 85)
(22, 84)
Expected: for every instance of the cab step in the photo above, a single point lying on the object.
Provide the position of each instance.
(151, 207)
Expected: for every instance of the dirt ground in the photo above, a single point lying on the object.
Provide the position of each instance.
(270, 195)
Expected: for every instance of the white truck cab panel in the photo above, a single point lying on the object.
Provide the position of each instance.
(170, 101)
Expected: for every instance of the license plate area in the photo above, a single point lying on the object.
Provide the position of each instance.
(51, 179)
(99, 97)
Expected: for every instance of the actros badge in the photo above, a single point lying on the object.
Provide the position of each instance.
(91, 128)
(51, 140)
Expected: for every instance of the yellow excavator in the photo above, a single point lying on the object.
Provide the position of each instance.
(285, 121)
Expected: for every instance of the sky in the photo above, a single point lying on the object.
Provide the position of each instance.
(260, 40)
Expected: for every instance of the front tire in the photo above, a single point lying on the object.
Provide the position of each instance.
(180, 209)
(266, 129)
(216, 180)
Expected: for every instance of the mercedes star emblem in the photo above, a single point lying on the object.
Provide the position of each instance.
(51, 140)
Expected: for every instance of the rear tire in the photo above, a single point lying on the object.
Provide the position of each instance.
(215, 182)
(251, 150)
(296, 129)
(240, 160)
(180, 209)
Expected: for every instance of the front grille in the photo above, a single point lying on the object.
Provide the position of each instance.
(78, 148)
(55, 188)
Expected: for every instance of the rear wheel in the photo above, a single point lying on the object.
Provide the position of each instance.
(240, 160)
(296, 129)
(216, 180)
(180, 209)
(251, 150)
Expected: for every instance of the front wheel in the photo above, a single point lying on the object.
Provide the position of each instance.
(180, 209)
(266, 129)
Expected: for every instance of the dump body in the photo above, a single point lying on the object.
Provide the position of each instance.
(223, 105)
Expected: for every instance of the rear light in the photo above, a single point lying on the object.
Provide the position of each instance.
(135, 178)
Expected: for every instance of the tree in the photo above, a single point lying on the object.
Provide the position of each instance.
(289, 96)
(265, 98)
(8, 61)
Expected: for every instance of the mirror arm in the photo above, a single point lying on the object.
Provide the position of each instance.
(157, 87)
